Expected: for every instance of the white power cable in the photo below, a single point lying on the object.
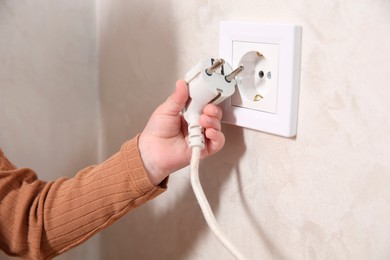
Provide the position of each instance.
(210, 81)
(205, 207)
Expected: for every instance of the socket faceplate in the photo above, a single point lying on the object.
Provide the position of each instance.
(280, 115)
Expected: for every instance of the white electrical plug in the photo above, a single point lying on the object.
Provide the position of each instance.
(209, 81)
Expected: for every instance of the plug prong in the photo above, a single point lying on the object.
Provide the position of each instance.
(216, 65)
(234, 73)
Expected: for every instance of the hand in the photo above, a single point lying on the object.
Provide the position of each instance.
(163, 143)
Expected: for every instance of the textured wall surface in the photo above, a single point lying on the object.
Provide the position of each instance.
(48, 88)
(322, 195)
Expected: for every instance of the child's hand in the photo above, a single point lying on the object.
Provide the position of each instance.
(163, 143)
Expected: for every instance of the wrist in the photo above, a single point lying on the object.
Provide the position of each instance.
(155, 175)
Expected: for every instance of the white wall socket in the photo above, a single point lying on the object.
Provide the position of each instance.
(268, 88)
(258, 83)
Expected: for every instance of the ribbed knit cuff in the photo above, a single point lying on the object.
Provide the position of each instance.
(137, 172)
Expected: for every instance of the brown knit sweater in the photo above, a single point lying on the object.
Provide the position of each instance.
(39, 220)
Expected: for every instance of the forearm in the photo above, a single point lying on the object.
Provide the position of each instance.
(56, 216)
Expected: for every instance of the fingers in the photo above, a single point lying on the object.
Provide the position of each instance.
(213, 111)
(215, 140)
(211, 122)
(176, 101)
(211, 117)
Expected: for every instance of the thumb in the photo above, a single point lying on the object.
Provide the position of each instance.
(177, 100)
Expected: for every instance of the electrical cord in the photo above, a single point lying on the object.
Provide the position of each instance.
(207, 84)
(205, 207)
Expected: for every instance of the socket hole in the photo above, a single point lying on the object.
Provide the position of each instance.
(269, 76)
(261, 74)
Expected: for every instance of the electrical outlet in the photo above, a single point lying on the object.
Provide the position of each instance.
(268, 88)
(258, 83)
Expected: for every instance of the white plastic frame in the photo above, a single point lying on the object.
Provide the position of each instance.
(288, 37)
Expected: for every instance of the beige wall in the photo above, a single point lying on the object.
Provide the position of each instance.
(48, 89)
(322, 195)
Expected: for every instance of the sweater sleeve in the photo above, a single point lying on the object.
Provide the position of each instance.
(39, 220)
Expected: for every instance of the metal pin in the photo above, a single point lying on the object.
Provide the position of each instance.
(234, 73)
(258, 54)
(258, 97)
(216, 65)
